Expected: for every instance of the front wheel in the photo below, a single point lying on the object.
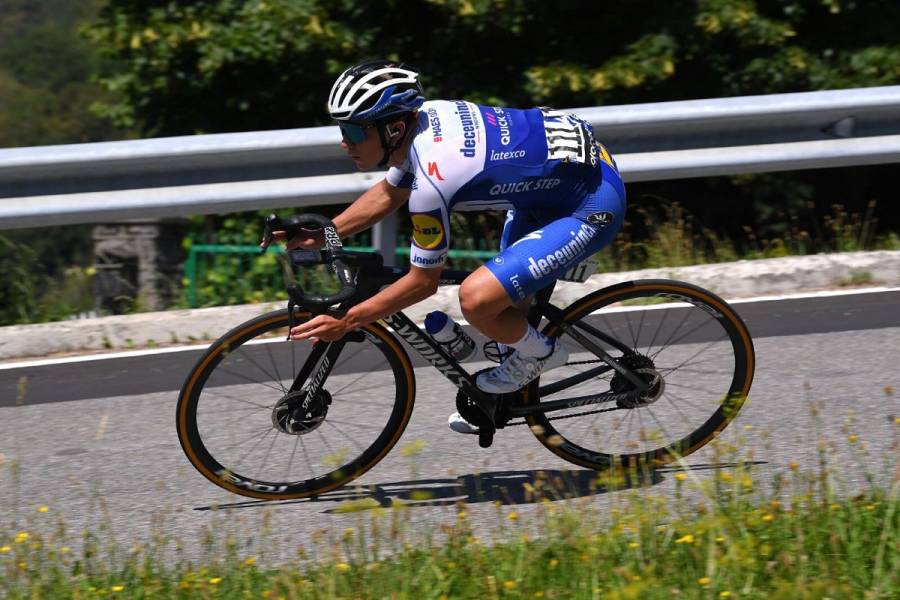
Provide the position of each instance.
(274, 419)
(691, 348)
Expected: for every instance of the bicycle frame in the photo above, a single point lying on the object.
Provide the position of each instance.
(326, 354)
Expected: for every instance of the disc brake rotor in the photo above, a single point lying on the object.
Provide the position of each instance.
(296, 414)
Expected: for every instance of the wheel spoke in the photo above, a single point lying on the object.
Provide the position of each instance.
(250, 380)
(680, 336)
(224, 429)
(275, 367)
(246, 354)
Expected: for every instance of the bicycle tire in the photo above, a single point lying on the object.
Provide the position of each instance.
(240, 344)
(641, 451)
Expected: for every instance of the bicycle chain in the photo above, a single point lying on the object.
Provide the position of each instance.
(581, 414)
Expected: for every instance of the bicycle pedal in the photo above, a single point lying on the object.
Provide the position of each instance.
(485, 438)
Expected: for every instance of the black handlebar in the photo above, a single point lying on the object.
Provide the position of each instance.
(331, 255)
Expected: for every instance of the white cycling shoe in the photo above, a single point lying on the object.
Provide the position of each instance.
(460, 425)
(517, 371)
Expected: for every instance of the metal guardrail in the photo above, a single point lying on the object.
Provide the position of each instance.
(220, 173)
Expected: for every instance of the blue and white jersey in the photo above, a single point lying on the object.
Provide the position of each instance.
(470, 157)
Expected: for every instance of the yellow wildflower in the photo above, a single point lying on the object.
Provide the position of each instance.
(250, 561)
(633, 544)
(509, 585)
(704, 581)
(767, 517)
(43, 509)
(117, 588)
(5, 549)
(725, 594)
(513, 516)
(343, 567)
(553, 563)
(22, 536)
(685, 539)
(215, 581)
(680, 476)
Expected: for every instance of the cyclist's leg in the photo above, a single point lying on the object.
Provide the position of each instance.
(534, 261)
(534, 256)
(485, 303)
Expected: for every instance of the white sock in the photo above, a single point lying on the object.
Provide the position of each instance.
(533, 344)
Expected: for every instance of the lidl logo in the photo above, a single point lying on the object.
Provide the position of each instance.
(428, 233)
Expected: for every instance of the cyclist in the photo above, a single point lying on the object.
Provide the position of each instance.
(561, 188)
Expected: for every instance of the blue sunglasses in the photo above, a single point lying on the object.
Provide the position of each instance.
(353, 132)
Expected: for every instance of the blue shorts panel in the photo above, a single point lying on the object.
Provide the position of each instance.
(537, 247)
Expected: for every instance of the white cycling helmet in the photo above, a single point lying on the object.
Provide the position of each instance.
(373, 90)
(375, 93)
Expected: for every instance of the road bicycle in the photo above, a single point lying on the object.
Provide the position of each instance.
(657, 368)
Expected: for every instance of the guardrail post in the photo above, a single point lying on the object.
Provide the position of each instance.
(384, 239)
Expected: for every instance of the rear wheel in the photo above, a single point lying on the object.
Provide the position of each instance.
(691, 348)
(249, 424)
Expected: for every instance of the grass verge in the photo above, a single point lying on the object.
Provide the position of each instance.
(796, 541)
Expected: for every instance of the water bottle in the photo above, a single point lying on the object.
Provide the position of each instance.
(450, 335)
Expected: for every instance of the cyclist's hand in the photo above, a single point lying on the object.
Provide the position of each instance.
(308, 241)
(322, 327)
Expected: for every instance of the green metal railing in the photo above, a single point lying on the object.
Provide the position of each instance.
(192, 264)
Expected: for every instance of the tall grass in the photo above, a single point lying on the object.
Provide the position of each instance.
(723, 532)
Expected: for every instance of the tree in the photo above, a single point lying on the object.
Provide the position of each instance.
(45, 75)
(229, 65)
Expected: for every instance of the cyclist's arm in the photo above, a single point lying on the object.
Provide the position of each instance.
(410, 289)
(376, 203)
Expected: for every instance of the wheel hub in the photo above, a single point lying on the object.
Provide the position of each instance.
(296, 414)
(643, 367)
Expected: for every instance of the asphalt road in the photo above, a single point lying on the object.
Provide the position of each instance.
(110, 461)
(167, 372)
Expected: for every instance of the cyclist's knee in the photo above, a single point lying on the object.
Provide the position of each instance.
(481, 296)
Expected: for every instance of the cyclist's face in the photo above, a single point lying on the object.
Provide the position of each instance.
(362, 144)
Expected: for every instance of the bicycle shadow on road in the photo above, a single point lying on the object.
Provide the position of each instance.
(505, 487)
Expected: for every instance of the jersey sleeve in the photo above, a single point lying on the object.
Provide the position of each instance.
(399, 178)
(431, 227)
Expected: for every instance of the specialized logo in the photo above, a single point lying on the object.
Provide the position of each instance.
(435, 122)
(562, 257)
(428, 230)
(534, 235)
(433, 171)
(414, 338)
(498, 260)
(469, 127)
(604, 218)
(313, 389)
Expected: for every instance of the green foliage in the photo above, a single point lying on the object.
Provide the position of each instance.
(233, 65)
(17, 293)
(40, 281)
(45, 75)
